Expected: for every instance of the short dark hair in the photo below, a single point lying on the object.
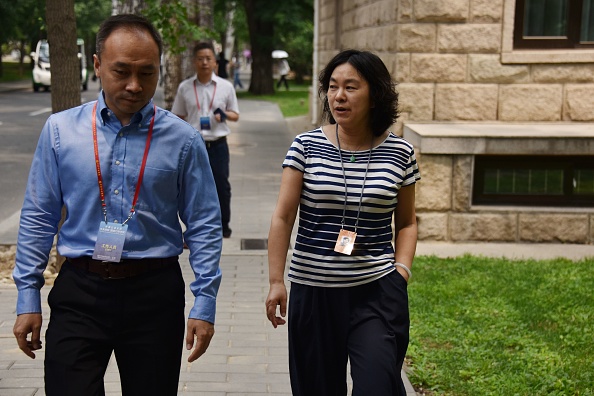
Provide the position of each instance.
(382, 88)
(204, 45)
(126, 21)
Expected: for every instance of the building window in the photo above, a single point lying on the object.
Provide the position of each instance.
(550, 24)
(534, 180)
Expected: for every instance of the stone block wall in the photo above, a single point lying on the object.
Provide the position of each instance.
(447, 59)
(444, 212)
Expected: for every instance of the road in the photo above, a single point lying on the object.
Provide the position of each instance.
(22, 115)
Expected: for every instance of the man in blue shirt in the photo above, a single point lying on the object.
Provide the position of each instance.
(125, 170)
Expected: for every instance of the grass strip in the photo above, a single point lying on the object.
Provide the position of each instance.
(292, 103)
(12, 71)
(482, 326)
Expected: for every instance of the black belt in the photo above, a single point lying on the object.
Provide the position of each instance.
(126, 268)
(212, 143)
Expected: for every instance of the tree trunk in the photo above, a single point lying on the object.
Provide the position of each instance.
(22, 58)
(127, 7)
(204, 13)
(172, 78)
(65, 65)
(178, 67)
(261, 32)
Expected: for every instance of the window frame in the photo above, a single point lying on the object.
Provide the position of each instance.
(566, 162)
(572, 40)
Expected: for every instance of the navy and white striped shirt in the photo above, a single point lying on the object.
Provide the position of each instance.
(314, 262)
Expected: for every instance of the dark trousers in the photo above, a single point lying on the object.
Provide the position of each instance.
(218, 156)
(283, 79)
(139, 319)
(367, 325)
(237, 80)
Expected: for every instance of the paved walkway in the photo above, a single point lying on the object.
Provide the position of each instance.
(247, 356)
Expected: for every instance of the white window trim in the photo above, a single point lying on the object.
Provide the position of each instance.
(511, 56)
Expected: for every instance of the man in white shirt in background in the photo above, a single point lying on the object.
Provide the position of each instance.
(207, 102)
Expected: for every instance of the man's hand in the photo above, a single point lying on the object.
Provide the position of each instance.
(277, 297)
(203, 331)
(25, 324)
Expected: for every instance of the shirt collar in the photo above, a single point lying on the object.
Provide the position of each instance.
(213, 79)
(143, 116)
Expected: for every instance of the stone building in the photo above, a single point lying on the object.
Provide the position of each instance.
(498, 100)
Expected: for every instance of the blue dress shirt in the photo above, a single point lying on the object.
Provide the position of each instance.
(177, 181)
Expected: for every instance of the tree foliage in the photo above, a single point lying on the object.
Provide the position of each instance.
(223, 12)
(89, 15)
(174, 21)
(240, 28)
(21, 25)
(296, 38)
(275, 24)
(6, 13)
(230, 20)
(181, 24)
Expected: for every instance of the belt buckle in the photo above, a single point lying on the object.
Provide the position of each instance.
(106, 266)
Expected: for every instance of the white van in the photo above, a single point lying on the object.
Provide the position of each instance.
(41, 65)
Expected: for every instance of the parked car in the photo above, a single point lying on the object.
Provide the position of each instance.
(41, 65)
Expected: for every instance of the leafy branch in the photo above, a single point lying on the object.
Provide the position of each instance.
(171, 18)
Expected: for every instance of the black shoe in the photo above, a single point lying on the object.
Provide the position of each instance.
(227, 233)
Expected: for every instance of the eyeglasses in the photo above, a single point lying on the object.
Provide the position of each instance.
(203, 59)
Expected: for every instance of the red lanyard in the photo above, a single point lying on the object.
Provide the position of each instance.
(211, 101)
(140, 174)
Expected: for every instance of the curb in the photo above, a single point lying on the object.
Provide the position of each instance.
(15, 86)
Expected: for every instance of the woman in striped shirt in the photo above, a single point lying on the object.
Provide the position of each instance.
(349, 269)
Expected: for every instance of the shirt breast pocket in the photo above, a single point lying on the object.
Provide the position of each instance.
(159, 190)
(218, 104)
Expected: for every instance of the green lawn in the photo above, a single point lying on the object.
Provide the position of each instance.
(11, 72)
(292, 103)
(484, 326)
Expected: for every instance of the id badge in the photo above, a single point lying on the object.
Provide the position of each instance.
(204, 123)
(110, 241)
(345, 242)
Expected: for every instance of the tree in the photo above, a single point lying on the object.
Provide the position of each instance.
(30, 26)
(180, 24)
(23, 23)
(66, 73)
(61, 35)
(296, 37)
(260, 19)
(89, 15)
(272, 23)
(230, 24)
(6, 28)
